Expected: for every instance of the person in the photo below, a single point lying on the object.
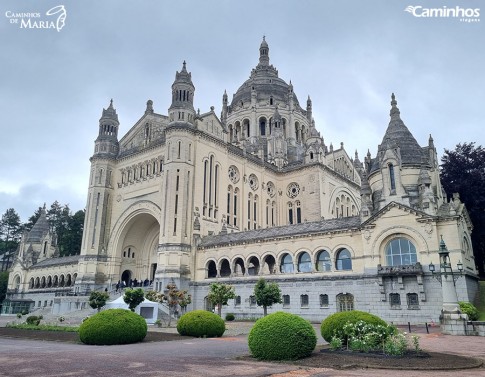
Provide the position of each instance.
(117, 286)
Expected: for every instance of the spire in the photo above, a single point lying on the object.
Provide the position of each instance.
(431, 141)
(395, 113)
(264, 52)
(110, 112)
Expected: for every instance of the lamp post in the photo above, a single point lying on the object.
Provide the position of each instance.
(447, 279)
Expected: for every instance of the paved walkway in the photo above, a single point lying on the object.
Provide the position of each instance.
(197, 357)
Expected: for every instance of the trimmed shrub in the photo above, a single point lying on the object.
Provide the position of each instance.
(201, 323)
(470, 309)
(230, 317)
(113, 326)
(334, 324)
(33, 320)
(282, 336)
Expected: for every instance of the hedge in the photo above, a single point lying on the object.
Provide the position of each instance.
(282, 336)
(113, 326)
(201, 323)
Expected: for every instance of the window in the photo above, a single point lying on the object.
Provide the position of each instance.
(286, 266)
(395, 300)
(344, 260)
(400, 251)
(304, 263)
(211, 269)
(392, 178)
(237, 301)
(286, 300)
(323, 261)
(413, 301)
(252, 300)
(345, 302)
(323, 300)
(304, 301)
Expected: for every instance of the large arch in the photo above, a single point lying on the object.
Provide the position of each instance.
(134, 242)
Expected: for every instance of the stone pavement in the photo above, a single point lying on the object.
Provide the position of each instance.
(198, 357)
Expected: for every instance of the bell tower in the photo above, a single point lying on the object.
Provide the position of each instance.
(100, 197)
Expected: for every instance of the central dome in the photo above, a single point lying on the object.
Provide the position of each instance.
(265, 82)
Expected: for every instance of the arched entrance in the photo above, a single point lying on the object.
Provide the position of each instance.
(126, 276)
(137, 248)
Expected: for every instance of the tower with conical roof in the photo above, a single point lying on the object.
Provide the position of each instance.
(403, 171)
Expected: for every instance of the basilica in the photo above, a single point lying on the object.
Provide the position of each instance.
(197, 197)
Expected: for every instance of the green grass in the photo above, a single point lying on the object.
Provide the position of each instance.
(481, 303)
(25, 326)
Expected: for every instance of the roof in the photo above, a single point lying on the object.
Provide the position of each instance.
(398, 135)
(40, 228)
(72, 259)
(342, 223)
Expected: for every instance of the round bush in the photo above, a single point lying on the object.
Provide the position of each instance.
(201, 323)
(230, 317)
(282, 336)
(113, 326)
(470, 309)
(333, 324)
(33, 320)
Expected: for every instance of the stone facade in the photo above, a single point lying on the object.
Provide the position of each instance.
(256, 192)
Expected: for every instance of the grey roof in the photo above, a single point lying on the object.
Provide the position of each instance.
(40, 228)
(398, 135)
(73, 259)
(342, 223)
(265, 81)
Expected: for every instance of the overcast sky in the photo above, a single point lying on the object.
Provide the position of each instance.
(349, 56)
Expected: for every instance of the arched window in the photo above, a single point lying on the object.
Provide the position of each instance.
(262, 126)
(344, 260)
(286, 266)
(211, 269)
(17, 283)
(253, 266)
(304, 301)
(345, 302)
(391, 177)
(323, 300)
(225, 268)
(400, 251)
(304, 263)
(323, 261)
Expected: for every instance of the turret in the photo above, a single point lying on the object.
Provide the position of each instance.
(309, 110)
(182, 107)
(224, 108)
(106, 144)
(264, 53)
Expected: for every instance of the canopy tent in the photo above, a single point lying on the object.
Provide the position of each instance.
(147, 309)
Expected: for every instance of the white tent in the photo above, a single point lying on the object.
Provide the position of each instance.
(147, 309)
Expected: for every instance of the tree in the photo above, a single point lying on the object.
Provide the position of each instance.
(463, 172)
(10, 230)
(71, 242)
(173, 297)
(3, 285)
(220, 294)
(98, 299)
(133, 297)
(267, 294)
